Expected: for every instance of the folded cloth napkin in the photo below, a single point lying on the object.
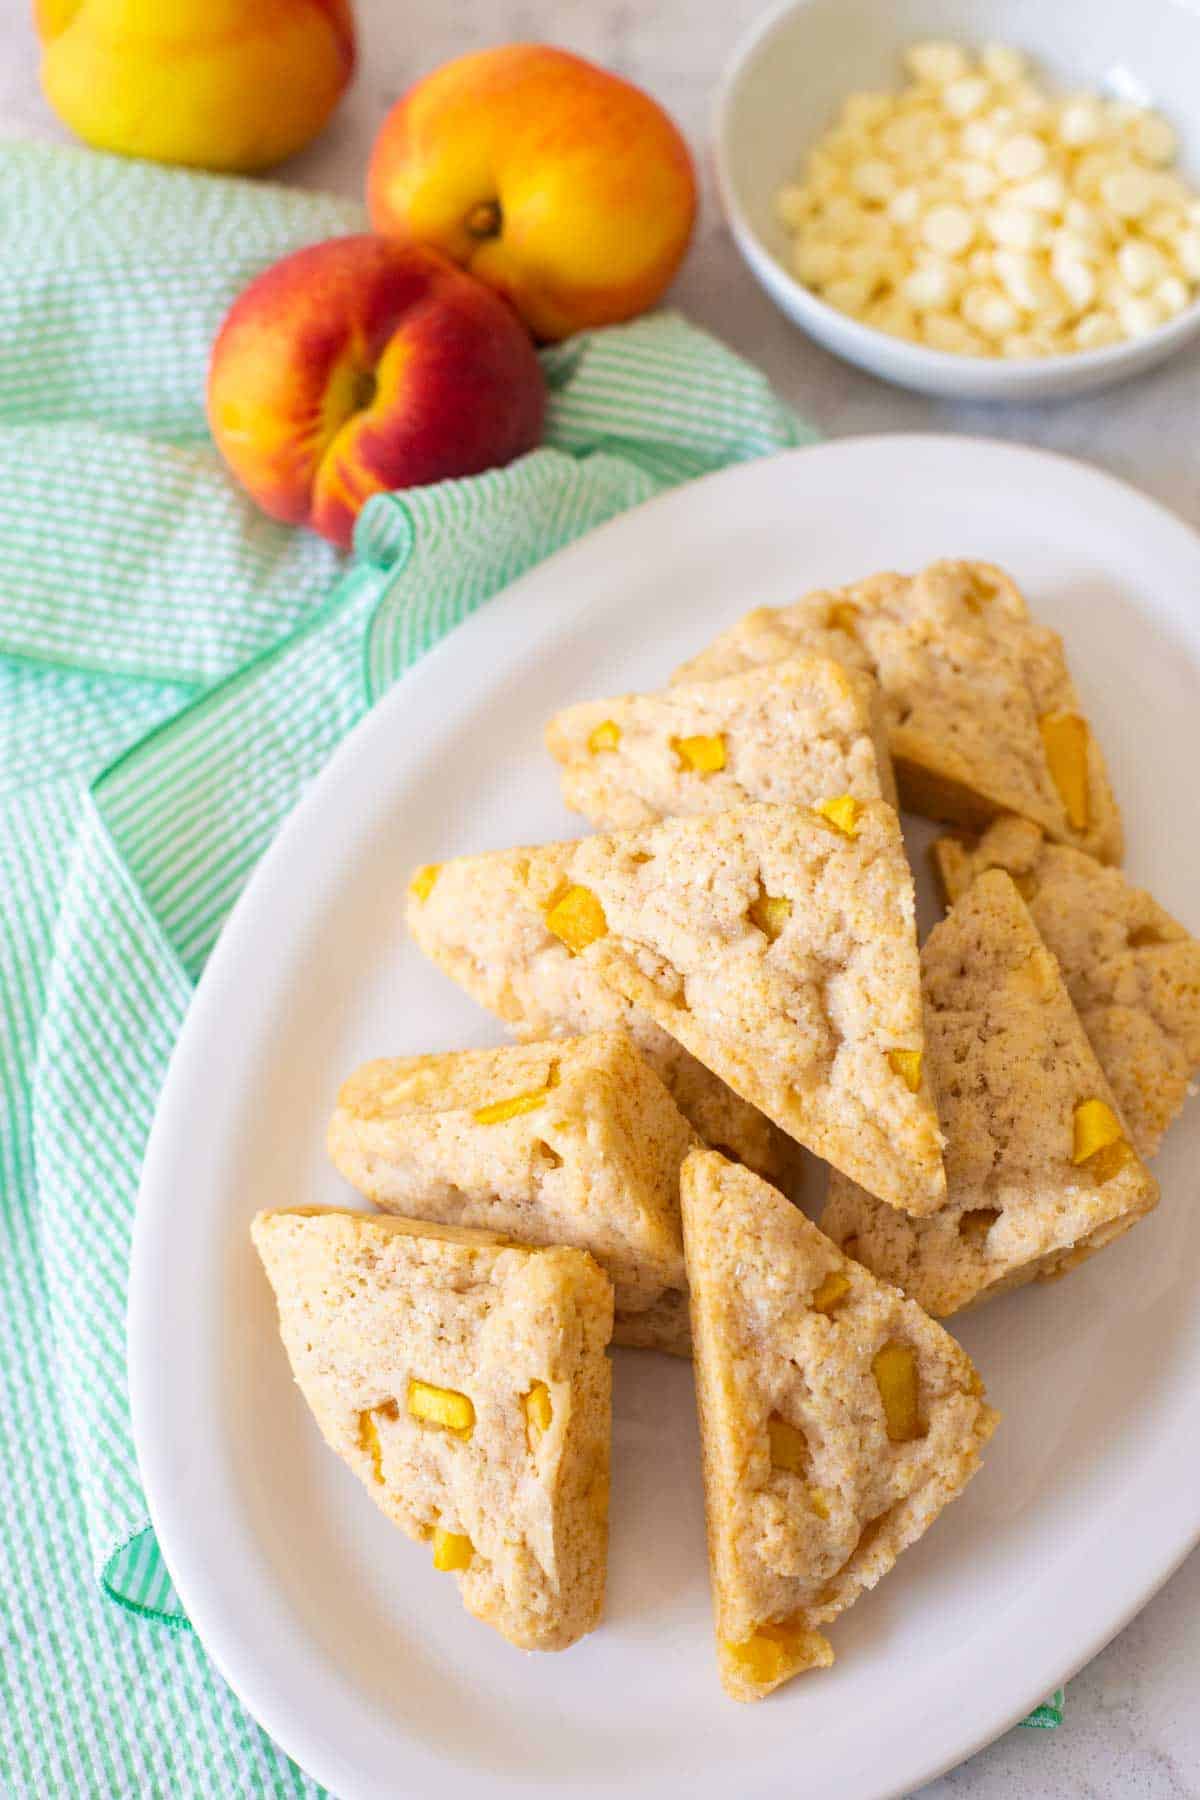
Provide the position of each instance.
(174, 668)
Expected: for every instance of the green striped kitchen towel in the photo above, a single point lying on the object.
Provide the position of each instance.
(174, 668)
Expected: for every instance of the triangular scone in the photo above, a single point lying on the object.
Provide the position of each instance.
(1132, 970)
(794, 734)
(778, 946)
(572, 1141)
(465, 1382)
(836, 1421)
(981, 712)
(1039, 1170)
(481, 920)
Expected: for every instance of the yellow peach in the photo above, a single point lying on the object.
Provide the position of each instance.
(216, 84)
(562, 186)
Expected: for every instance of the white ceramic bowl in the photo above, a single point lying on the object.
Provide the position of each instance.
(790, 74)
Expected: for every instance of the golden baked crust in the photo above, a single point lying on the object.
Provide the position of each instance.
(812, 1486)
(1132, 971)
(793, 734)
(973, 691)
(1011, 1065)
(517, 1499)
(571, 1141)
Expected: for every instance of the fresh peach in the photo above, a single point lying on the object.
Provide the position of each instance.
(562, 186)
(219, 84)
(360, 365)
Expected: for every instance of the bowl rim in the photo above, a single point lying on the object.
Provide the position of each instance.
(938, 365)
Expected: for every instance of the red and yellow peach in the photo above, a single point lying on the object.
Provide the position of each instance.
(361, 365)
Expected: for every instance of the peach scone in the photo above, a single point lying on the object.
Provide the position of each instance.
(465, 1382)
(1132, 970)
(572, 1141)
(836, 1421)
(794, 735)
(1040, 1169)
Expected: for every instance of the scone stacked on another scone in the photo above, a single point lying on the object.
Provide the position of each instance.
(465, 1382)
(982, 715)
(1131, 970)
(478, 920)
(574, 1141)
(836, 1422)
(794, 734)
(774, 943)
(1040, 1168)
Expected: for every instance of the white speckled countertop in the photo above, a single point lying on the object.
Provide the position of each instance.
(1132, 1728)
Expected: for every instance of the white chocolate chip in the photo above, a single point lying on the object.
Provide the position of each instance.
(1092, 168)
(1173, 294)
(849, 293)
(904, 207)
(1072, 246)
(892, 316)
(989, 311)
(842, 215)
(932, 286)
(945, 331)
(1044, 194)
(1128, 192)
(935, 62)
(816, 262)
(1140, 314)
(1164, 224)
(1016, 228)
(1140, 264)
(875, 229)
(1020, 157)
(948, 229)
(873, 179)
(900, 136)
(1086, 223)
(1026, 282)
(1074, 277)
(1153, 139)
(877, 262)
(980, 138)
(1081, 122)
(966, 96)
(977, 180)
(1096, 330)
(1030, 106)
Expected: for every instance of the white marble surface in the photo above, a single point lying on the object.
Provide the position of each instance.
(1132, 1729)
